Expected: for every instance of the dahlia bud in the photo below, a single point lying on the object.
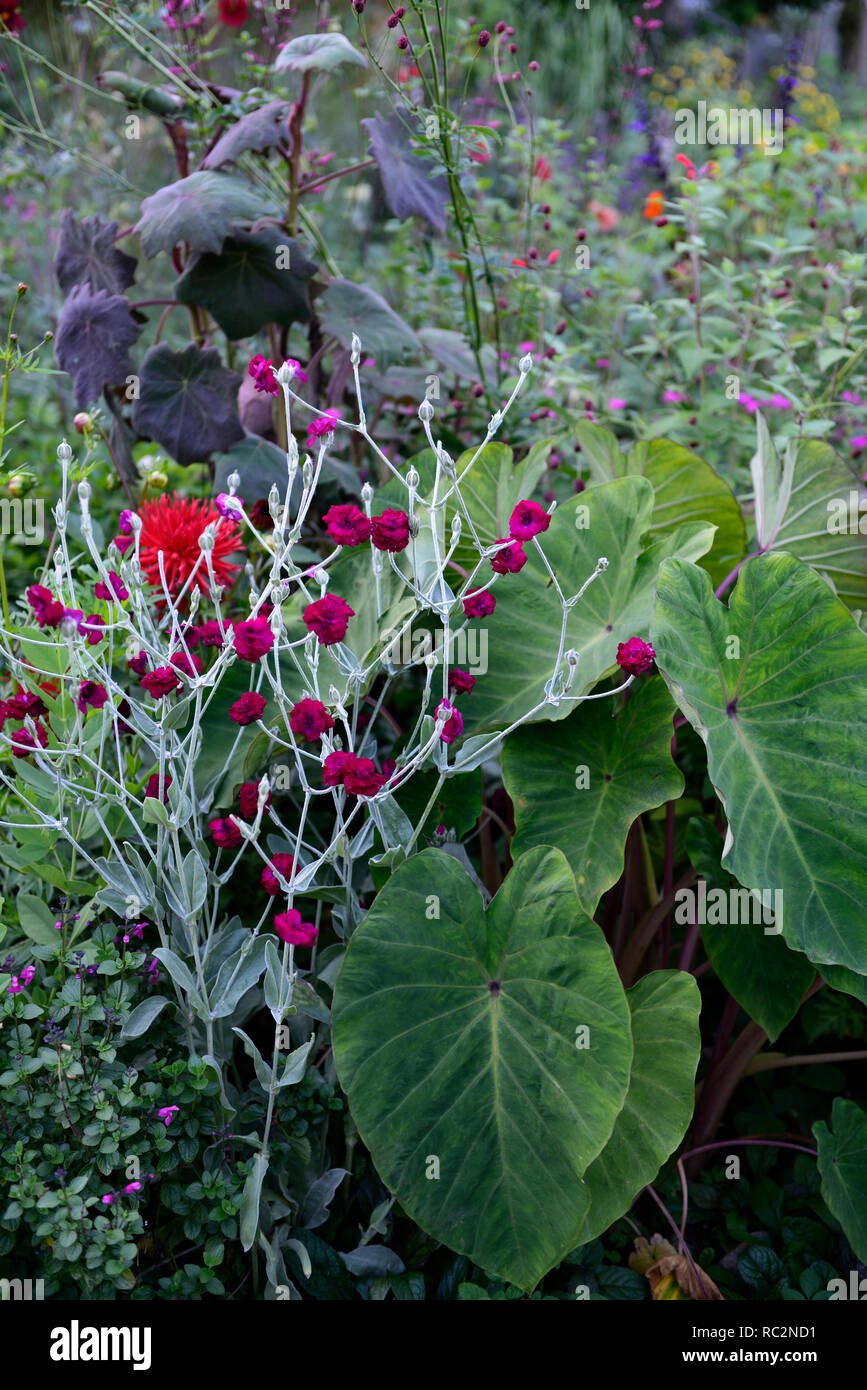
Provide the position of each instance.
(156, 480)
(82, 422)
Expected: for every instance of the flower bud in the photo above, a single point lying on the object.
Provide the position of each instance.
(412, 479)
(64, 453)
(82, 422)
(84, 491)
(234, 482)
(526, 363)
(426, 411)
(355, 355)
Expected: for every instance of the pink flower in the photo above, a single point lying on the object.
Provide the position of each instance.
(228, 505)
(107, 1198)
(324, 425)
(858, 442)
(23, 743)
(190, 666)
(297, 373)
(673, 397)
(48, 610)
(132, 1187)
(248, 709)
(289, 927)
(115, 589)
(91, 693)
(210, 634)
(479, 603)
(91, 627)
(332, 768)
(509, 560)
(139, 663)
(309, 719)
(328, 617)
(124, 522)
(225, 832)
(347, 525)
(635, 656)
(553, 257)
(280, 864)
(461, 680)
(617, 403)
(153, 789)
(248, 800)
(391, 530)
(360, 777)
(161, 682)
(454, 725)
(527, 520)
(167, 1113)
(253, 639)
(261, 369)
(748, 401)
(20, 705)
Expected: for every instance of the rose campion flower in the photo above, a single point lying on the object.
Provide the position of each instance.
(48, 610)
(332, 768)
(153, 789)
(289, 927)
(23, 743)
(139, 663)
(161, 682)
(225, 832)
(454, 725)
(479, 603)
(461, 680)
(509, 560)
(248, 800)
(187, 665)
(115, 589)
(253, 638)
(211, 635)
(635, 656)
(328, 617)
(228, 506)
(360, 777)
(324, 425)
(92, 629)
(309, 719)
(248, 709)
(283, 864)
(347, 525)
(391, 530)
(91, 693)
(528, 520)
(20, 705)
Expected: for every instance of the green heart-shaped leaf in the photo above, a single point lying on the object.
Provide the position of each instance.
(582, 790)
(485, 1055)
(843, 1168)
(776, 686)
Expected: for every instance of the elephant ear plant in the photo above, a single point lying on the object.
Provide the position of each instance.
(171, 733)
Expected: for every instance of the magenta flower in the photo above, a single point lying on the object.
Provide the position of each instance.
(48, 610)
(283, 864)
(461, 681)
(211, 635)
(92, 629)
(454, 725)
(167, 1113)
(509, 560)
(347, 525)
(248, 709)
(190, 666)
(253, 639)
(115, 589)
(248, 800)
(225, 832)
(329, 618)
(23, 743)
(309, 719)
(391, 530)
(297, 373)
(324, 425)
(527, 520)
(673, 397)
(153, 789)
(332, 768)
(289, 927)
(261, 369)
(228, 506)
(161, 682)
(479, 603)
(91, 693)
(14, 987)
(26, 975)
(635, 656)
(139, 663)
(20, 705)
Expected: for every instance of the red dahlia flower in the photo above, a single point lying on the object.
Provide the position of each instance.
(289, 927)
(283, 864)
(328, 617)
(309, 719)
(173, 525)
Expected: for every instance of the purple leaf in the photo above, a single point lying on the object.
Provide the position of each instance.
(409, 189)
(188, 402)
(94, 332)
(86, 250)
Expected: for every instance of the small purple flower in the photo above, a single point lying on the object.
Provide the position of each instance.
(228, 506)
(168, 1113)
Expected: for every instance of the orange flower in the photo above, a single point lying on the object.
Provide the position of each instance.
(606, 218)
(653, 205)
